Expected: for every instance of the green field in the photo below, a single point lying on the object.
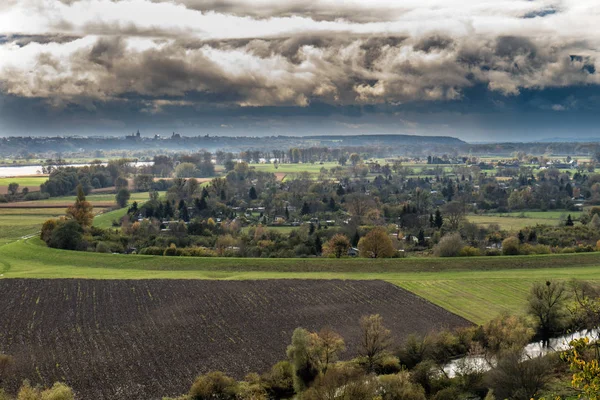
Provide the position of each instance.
(476, 288)
(519, 220)
(24, 181)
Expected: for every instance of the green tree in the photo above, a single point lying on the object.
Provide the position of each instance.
(511, 246)
(13, 188)
(299, 354)
(252, 193)
(67, 235)
(122, 197)
(305, 209)
(143, 182)
(186, 170)
(569, 221)
(121, 183)
(439, 220)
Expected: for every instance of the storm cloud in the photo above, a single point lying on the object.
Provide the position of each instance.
(237, 53)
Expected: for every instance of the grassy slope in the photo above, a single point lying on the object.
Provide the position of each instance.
(475, 288)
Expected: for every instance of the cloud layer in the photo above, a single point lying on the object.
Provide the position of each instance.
(241, 53)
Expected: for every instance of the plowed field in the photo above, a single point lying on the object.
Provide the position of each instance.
(144, 339)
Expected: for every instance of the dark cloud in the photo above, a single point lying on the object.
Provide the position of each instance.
(23, 40)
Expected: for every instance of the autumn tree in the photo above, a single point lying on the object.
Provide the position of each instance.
(337, 245)
(82, 210)
(376, 244)
(585, 368)
(375, 340)
(326, 347)
(359, 205)
(311, 354)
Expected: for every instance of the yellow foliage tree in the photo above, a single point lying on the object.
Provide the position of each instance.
(376, 244)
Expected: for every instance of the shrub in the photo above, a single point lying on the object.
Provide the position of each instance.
(511, 246)
(400, 386)
(279, 381)
(199, 252)
(337, 246)
(492, 252)
(469, 251)
(32, 196)
(449, 246)
(47, 228)
(102, 247)
(214, 385)
(173, 251)
(153, 251)
(517, 379)
(413, 351)
(68, 236)
(388, 365)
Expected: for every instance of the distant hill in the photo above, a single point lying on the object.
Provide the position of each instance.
(353, 140)
(571, 140)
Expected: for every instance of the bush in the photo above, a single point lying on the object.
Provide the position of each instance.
(102, 247)
(399, 386)
(32, 196)
(153, 251)
(517, 379)
(469, 251)
(279, 382)
(173, 251)
(449, 246)
(68, 236)
(388, 365)
(47, 228)
(511, 246)
(199, 252)
(214, 385)
(493, 252)
(413, 351)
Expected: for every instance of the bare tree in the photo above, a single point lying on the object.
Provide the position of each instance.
(547, 304)
(454, 213)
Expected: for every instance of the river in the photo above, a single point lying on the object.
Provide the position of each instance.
(532, 350)
(27, 170)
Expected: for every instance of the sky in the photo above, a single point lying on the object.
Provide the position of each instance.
(480, 70)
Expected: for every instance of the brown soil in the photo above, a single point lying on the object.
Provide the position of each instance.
(150, 338)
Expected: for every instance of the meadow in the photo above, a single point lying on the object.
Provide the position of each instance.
(517, 220)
